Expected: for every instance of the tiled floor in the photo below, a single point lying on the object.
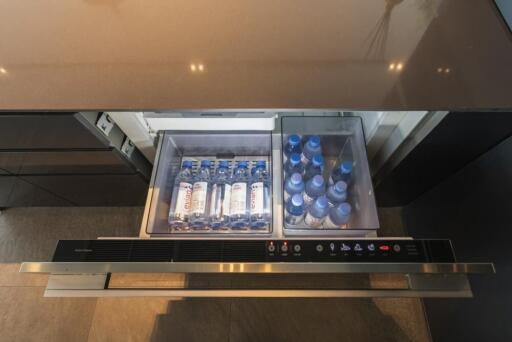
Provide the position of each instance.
(25, 315)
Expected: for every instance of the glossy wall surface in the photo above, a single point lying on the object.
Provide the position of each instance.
(375, 54)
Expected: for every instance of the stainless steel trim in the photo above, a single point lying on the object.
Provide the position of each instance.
(212, 267)
(281, 293)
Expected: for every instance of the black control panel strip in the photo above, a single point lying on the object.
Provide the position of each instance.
(406, 251)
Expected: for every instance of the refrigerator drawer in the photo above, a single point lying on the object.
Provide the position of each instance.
(342, 141)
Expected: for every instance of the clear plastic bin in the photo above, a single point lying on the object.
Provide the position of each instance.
(341, 138)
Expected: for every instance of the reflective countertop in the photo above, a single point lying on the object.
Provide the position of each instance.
(197, 54)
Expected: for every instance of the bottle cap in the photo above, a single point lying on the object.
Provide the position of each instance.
(205, 163)
(321, 202)
(314, 141)
(296, 178)
(224, 163)
(346, 167)
(242, 163)
(295, 159)
(344, 209)
(187, 164)
(261, 163)
(297, 200)
(294, 139)
(318, 181)
(318, 160)
(340, 186)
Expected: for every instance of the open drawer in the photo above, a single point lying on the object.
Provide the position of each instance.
(277, 259)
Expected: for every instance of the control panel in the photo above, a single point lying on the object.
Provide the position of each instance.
(377, 250)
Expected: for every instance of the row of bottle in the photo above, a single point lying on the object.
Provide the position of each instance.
(313, 202)
(239, 200)
(309, 162)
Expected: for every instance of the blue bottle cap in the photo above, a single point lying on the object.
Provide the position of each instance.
(297, 200)
(344, 209)
(340, 186)
(224, 163)
(314, 141)
(318, 181)
(187, 164)
(242, 163)
(294, 139)
(296, 178)
(261, 163)
(206, 163)
(321, 202)
(346, 167)
(295, 159)
(318, 160)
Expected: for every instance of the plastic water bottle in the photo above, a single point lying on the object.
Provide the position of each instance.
(260, 196)
(201, 193)
(315, 188)
(181, 196)
(338, 216)
(221, 196)
(292, 165)
(292, 145)
(316, 167)
(294, 210)
(337, 193)
(239, 211)
(343, 172)
(311, 148)
(317, 212)
(293, 185)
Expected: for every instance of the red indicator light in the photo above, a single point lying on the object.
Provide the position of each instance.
(384, 248)
(285, 243)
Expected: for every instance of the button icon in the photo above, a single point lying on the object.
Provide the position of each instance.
(271, 247)
(358, 248)
(297, 248)
(345, 248)
(384, 248)
(284, 248)
(332, 246)
(319, 248)
(371, 247)
(396, 248)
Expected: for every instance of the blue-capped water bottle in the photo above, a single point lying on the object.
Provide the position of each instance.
(292, 145)
(181, 196)
(260, 196)
(311, 148)
(221, 196)
(337, 193)
(316, 167)
(315, 188)
(200, 203)
(294, 210)
(338, 216)
(341, 173)
(317, 212)
(239, 210)
(292, 165)
(293, 185)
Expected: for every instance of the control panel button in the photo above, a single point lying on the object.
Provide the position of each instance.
(396, 247)
(371, 247)
(271, 247)
(297, 248)
(358, 248)
(319, 248)
(284, 247)
(384, 248)
(332, 246)
(345, 248)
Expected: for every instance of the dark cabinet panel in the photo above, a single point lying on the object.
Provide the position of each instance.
(95, 190)
(10, 163)
(6, 186)
(26, 194)
(67, 162)
(48, 131)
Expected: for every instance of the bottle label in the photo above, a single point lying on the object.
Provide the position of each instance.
(312, 221)
(238, 199)
(199, 192)
(220, 202)
(308, 200)
(257, 199)
(304, 159)
(226, 201)
(183, 200)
